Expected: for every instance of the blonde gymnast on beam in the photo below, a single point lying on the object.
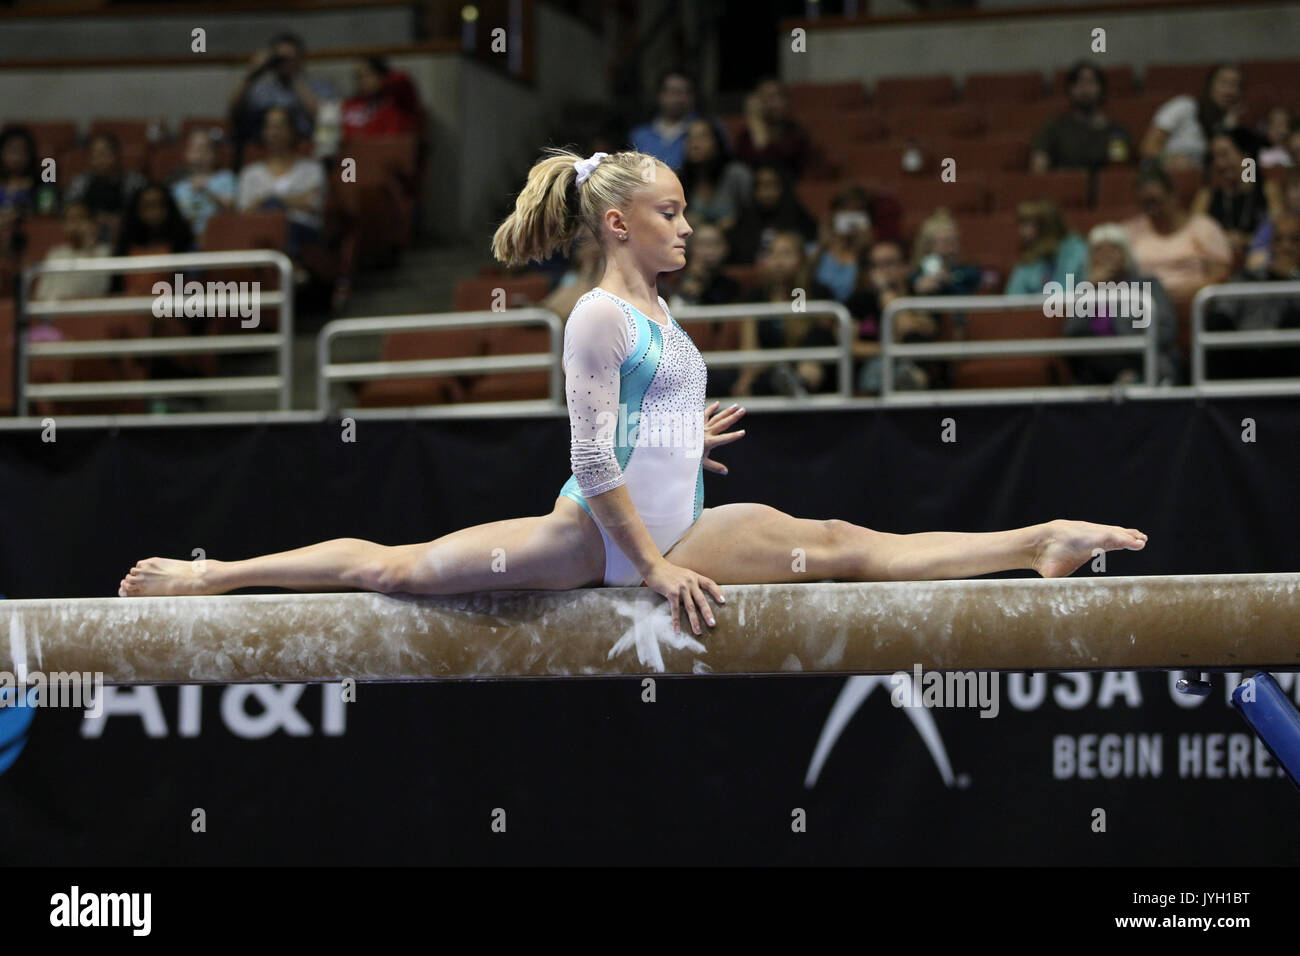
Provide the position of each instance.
(632, 512)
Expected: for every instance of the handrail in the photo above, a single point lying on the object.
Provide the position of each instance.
(890, 350)
(280, 341)
(327, 372)
(330, 372)
(1201, 339)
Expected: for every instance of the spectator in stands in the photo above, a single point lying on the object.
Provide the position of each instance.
(1049, 251)
(385, 103)
(770, 134)
(936, 259)
(1184, 251)
(1181, 129)
(1110, 260)
(773, 208)
(1287, 200)
(154, 223)
(716, 186)
(1239, 207)
(1293, 143)
(585, 269)
(285, 180)
(1281, 312)
(1082, 137)
(840, 257)
(664, 136)
(703, 282)
(784, 269)
(939, 270)
(202, 189)
(276, 79)
(1275, 130)
(105, 187)
(81, 241)
(21, 187)
(886, 279)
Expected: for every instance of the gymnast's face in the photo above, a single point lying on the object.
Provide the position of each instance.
(657, 229)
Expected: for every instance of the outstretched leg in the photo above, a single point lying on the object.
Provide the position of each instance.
(557, 551)
(757, 544)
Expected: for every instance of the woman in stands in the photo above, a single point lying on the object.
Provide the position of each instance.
(632, 512)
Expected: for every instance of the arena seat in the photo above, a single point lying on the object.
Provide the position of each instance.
(1135, 113)
(1026, 372)
(129, 132)
(911, 92)
(427, 390)
(1009, 88)
(806, 98)
(1069, 187)
(1116, 186)
(969, 194)
(52, 136)
(1021, 119)
(990, 155)
(1121, 80)
(513, 386)
(1175, 78)
(948, 122)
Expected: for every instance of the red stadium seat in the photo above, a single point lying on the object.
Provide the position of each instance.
(245, 230)
(1134, 113)
(990, 240)
(866, 125)
(1174, 78)
(513, 386)
(128, 131)
(1003, 87)
(1027, 372)
(479, 294)
(1069, 187)
(926, 194)
(952, 122)
(910, 92)
(428, 390)
(805, 98)
(52, 136)
(1117, 186)
(990, 155)
(1021, 119)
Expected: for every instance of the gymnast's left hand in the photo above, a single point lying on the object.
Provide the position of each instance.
(715, 432)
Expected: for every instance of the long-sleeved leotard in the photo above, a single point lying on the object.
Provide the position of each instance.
(635, 391)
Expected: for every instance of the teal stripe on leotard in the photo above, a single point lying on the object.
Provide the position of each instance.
(636, 373)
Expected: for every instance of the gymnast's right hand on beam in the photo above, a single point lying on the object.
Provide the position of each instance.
(684, 588)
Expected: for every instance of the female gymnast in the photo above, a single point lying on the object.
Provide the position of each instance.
(633, 510)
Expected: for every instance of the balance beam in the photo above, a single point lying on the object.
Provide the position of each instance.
(1189, 622)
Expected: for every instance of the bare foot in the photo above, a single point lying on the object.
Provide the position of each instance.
(154, 577)
(1065, 545)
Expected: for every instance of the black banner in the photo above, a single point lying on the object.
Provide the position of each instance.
(1098, 768)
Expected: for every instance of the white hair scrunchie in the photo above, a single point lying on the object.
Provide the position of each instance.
(586, 167)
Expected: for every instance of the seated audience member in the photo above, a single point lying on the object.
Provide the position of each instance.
(153, 222)
(1185, 251)
(1240, 208)
(664, 136)
(1082, 137)
(81, 241)
(703, 282)
(202, 190)
(21, 188)
(784, 269)
(285, 180)
(1285, 200)
(1181, 129)
(276, 79)
(1280, 312)
(1049, 251)
(1110, 260)
(773, 208)
(386, 102)
(716, 186)
(939, 270)
(1275, 130)
(585, 268)
(886, 279)
(846, 236)
(770, 135)
(105, 187)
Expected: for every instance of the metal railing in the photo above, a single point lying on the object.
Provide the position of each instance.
(1144, 342)
(327, 372)
(279, 342)
(330, 372)
(1203, 340)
